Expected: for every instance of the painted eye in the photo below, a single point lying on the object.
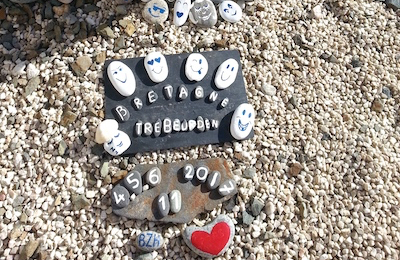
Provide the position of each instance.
(200, 61)
(158, 59)
(116, 135)
(232, 68)
(249, 115)
(244, 112)
(109, 143)
(206, 5)
(227, 67)
(120, 144)
(226, 10)
(229, 5)
(185, 4)
(197, 7)
(115, 72)
(120, 69)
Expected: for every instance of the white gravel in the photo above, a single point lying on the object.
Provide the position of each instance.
(314, 106)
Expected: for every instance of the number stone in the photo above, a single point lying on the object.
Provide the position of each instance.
(163, 205)
(188, 172)
(153, 176)
(175, 200)
(202, 173)
(149, 241)
(227, 187)
(119, 196)
(213, 180)
(133, 182)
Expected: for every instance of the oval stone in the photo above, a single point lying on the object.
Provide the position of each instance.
(149, 241)
(188, 172)
(133, 182)
(163, 205)
(196, 67)
(230, 11)
(203, 13)
(156, 65)
(227, 187)
(226, 73)
(121, 113)
(119, 143)
(105, 130)
(122, 78)
(213, 180)
(155, 11)
(242, 121)
(202, 173)
(120, 196)
(175, 201)
(153, 176)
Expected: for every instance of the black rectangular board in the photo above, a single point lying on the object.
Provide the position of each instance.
(190, 108)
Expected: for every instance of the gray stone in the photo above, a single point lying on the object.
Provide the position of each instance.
(155, 11)
(227, 187)
(249, 173)
(268, 89)
(152, 96)
(202, 173)
(356, 63)
(122, 113)
(198, 92)
(149, 241)
(104, 169)
(124, 164)
(153, 176)
(90, 8)
(105, 31)
(62, 147)
(213, 96)
(120, 197)
(163, 206)
(387, 92)
(123, 2)
(257, 206)
(138, 128)
(147, 129)
(394, 4)
(214, 124)
(79, 202)
(224, 102)
(48, 11)
(188, 172)
(167, 125)
(199, 245)
(157, 128)
(168, 90)
(247, 218)
(23, 1)
(119, 43)
(207, 124)
(31, 86)
(184, 126)
(29, 249)
(176, 125)
(81, 65)
(175, 201)
(213, 180)
(192, 124)
(200, 124)
(148, 256)
(182, 92)
(133, 182)
(203, 13)
(121, 10)
(137, 103)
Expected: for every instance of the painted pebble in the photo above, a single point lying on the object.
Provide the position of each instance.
(120, 196)
(227, 187)
(202, 173)
(213, 96)
(224, 102)
(226, 73)
(153, 176)
(213, 180)
(152, 96)
(122, 78)
(242, 121)
(156, 66)
(188, 172)
(118, 144)
(181, 11)
(182, 92)
(106, 130)
(175, 200)
(200, 124)
(137, 103)
(167, 125)
(168, 90)
(149, 241)
(157, 128)
(203, 13)
(163, 205)
(155, 11)
(133, 182)
(198, 92)
(211, 240)
(230, 11)
(196, 67)
(122, 114)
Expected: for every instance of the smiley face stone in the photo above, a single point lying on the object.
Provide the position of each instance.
(242, 121)
(118, 144)
(203, 13)
(196, 67)
(230, 11)
(122, 78)
(226, 73)
(156, 66)
(181, 11)
(155, 11)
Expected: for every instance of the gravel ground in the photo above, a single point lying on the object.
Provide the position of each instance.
(323, 167)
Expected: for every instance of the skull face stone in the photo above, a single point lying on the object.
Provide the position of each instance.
(203, 13)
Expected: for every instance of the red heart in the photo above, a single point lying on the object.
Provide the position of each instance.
(212, 243)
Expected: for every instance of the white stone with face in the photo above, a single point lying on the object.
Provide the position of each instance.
(156, 66)
(122, 78)
(226, 73)
(118, 144)
(105, 130)
(230, 11)
(242, 121)
(181, 11)
(196, 67)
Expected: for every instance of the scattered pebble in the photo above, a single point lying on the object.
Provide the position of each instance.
(257, 206)
(295, 169)
(29, 249)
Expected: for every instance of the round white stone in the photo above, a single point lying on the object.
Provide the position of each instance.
(242, 121)
(105, 130)
(230, 11)
(226, 73)
(122, 78)
(196, 67)
(119, 143)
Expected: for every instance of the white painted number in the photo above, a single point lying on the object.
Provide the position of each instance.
(118, 197)
(227, 189)
(202, 173)
(175, 199)
(214, 179)
(154, 177)
(162, 201)
(133, 180)
(188, 171)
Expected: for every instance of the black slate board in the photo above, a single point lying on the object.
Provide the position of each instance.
(173, 108)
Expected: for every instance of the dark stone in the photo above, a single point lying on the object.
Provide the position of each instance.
(200, 124)
(163, 205)
(213, 180)
(224, 102)
(157, 128)
(394, 4)
(326, 137)
(387, 92)
(176, 125)
(90, 8)
(137, 103)
(257, 206)
(168, 90)
(8, 46)
(249, 173)
(133, 182)
(202, 173)
(120, 196)
(188, 172)
(153, 176)
(293, 101)
(147, 129)
(182, 92)
(356, 63)
(48, 11)
(228, 187)
(198, 92)
(122, 114)
(247, 218)
(119, 43)
(152, 96)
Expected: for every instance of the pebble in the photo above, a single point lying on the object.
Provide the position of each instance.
(394, 4)
(181, 12)
(68, 117)
(196, 67)
(213, 180)
(148, 256)
(61, 10)
(79, 202)
(106, 31)
(202, 173)
(81, 65)
(32, 86)
(31, 71)
(119, 43)
(62, 147)
(212, 239)
(247, 218)
(257, 206)
(104, 169)
(226, 73)
(269, 89)
(295, 169)
(230, 11)
(182, 92)
(249, 173)
(269, 208)
(106, 130)
(163, 205)
(149, 241)
(65, 1)
(316, 12)
(121, 10)
(377, 105)
(133, 182)
(175, 199)
(156, 66)
(122, 113)
(386, 91)
(153, 176)
(227, 187)
(203, 13)
(188, 172)
(29, 249)
(120, 196)
(199, 92)
(242, 121)
(200, 124)
(122, 78)
(155, 11)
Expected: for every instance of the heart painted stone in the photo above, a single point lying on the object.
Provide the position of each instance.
(156, 66)
(211, 240)
(181, 8)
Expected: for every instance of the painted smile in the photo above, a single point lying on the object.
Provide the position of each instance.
(123, 81)
(206, 17)
(152, 13)
(222, 77)
(197, 71)
(242, 127)
(156, 71)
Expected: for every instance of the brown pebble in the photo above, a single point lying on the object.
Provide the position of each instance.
(221, 43)
(377, 106)
(346, 117)
(295, 169)
(61, 10)
(3, 14)
(119, 176)
(2, 196)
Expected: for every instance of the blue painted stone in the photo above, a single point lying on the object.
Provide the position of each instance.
(149, 241)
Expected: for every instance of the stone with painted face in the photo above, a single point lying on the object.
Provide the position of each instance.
(242, 121)
(118, 144)
(181, 11)
(203, 13)
(196, 67)
(155, 11)
(226, 73)
(156, 66)
(105, 130)
(122, 78)
(230, 11)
